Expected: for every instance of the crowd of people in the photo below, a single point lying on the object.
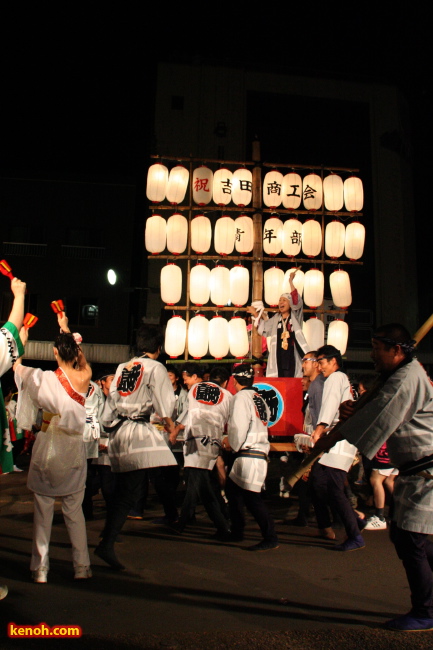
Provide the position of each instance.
(122, 429)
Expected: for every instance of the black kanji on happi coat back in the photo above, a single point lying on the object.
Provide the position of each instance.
(130, 379)
(260, 408)
(208, 393)
(271, 399)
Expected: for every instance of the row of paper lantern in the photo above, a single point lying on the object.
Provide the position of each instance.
(223, 286)
(289, 237)
(224, 186)
(219, 337)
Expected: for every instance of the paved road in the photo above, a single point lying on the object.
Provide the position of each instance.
(194, 592)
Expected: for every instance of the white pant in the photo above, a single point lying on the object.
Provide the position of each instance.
(42, 523)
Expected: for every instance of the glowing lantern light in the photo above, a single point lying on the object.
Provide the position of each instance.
(340, 289)
(219, 285)
(218, 337)
(155, 234)
(273, 280)
(201, 234)
(335, 236)
(314, 285)
(333, 192)
(242, 187)
(171, 283)
(199, 284)
(298, 281)
(157, 179)
(238, 337)
(273, 236)
(224, 239)
(311, 238)
(292, 237)
(202, 185)
(177, 184)
(314, 332)
(272, 186)
(292, 191)
(177, 233)
(338, 334)
(353, 194)
(198, 336)
(244, 234)
(312, 192)
(175, 337)
(355, 240)
(239, 285)
(222, 186)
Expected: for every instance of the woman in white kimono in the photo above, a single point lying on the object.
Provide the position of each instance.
(58, 465)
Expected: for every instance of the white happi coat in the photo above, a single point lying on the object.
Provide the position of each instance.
(269, 328)
(248, 429)
(58, 466)
(401, 415)
(335, 391)
(204, 421)
(139, 388)
(94, 408)
(10, 346)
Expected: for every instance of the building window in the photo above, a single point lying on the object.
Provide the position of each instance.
(82, 311)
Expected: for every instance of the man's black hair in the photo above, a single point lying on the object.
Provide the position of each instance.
(174, 369)
(331, 352)
(191, 368)
(219, 375)
(241, 378)
(149, 338)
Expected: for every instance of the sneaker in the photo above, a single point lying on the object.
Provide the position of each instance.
(82, 572)
(351, 544)
(375, 523)
(40, 575)
(263, 546)
(3, 591)
(408, 623)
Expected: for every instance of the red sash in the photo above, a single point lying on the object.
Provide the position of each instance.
(68, 388)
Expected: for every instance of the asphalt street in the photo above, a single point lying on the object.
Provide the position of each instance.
(191, 591)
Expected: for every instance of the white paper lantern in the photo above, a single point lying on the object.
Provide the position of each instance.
(202, 185)
(175, 337)
(177, 233)
(198, 336)
(177, 184)
(340, 289)
(313, 288)
(272, 189)
(273, 236)
(335, 236)
(157, 179)
(355, 240)
(222, 186)
(333, 192)
(239, 285)
(292, 191)
(292, 237)
(155, 234)
(238, 337)
(171, 283)
(273, 281)
(242, 187)
(199, 284)
(312, 192)
(218, 337)
(353, 194)
(224, 238)
(201, 234)
(219, 285)
(244, 234)
(338, 334)
(298, 281)
(314, 332)
(311, 238)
